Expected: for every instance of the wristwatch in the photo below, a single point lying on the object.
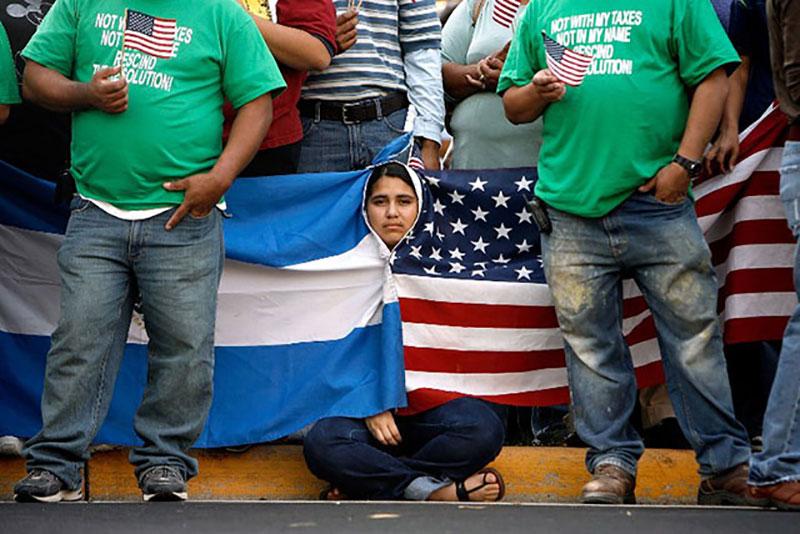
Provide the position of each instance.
(694, 168)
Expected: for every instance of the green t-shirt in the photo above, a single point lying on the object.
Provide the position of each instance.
(9, 91)
(625, 121)
(173, 125)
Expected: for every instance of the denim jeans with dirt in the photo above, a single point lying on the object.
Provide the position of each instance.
(661, 247)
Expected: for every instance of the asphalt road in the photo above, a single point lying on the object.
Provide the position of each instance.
(386, 518)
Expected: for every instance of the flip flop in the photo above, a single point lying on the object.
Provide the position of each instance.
(325, 495)
(463, 494)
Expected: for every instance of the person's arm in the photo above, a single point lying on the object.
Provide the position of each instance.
(204, 190)
(424, 80)
(461, 81)
(791, 48)
(384, 428)
(525, 103)
(672, 181)
(4, 112)
(420, 40)
(54, 91)
(725, 150)
(293, 47)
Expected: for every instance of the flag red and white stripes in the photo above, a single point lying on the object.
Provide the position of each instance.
(505, 11)
(152, 35)
(567, 65)
(500, 341)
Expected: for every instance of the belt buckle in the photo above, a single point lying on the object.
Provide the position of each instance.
(348, 106)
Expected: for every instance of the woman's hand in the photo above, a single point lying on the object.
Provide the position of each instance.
(384, 429)
(487, 73)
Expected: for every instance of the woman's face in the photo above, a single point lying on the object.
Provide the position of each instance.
(391, 209)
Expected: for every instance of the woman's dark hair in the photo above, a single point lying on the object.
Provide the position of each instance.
(393, 169)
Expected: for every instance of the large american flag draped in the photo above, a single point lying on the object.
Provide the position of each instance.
(152, 35)
(477, 314)
(567, 65)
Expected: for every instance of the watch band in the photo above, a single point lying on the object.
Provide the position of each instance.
(693, 167)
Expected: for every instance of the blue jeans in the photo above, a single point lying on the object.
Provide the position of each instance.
(662, 248)
(439, 446)
(335, 146)
(780, 459)
(103, 262)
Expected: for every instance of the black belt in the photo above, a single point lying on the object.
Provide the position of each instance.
(353, 112)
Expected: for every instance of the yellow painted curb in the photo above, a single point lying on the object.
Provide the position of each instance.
(278, 472)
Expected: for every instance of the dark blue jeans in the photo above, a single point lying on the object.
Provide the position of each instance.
(102, 260)
(442, 445)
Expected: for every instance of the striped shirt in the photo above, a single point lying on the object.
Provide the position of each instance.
(388, 31)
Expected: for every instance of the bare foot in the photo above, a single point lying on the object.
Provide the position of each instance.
(489, 492)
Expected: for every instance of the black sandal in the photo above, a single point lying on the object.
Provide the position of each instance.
(463, 494)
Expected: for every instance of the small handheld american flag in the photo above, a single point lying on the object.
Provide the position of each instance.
(152, 35)
(567, 65)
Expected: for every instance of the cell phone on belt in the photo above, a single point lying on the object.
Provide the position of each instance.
(538, 209)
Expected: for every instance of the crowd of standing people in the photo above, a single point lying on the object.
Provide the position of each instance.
(170, 104)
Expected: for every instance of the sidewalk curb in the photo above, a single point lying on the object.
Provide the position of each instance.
(278, 472)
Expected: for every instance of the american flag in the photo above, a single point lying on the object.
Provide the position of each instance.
(567, 65)
(477, 315)
(152, 35)
(505, 11)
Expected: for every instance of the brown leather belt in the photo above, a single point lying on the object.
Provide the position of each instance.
(353, 112)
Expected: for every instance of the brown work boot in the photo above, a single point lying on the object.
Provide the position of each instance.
(609, 485)
(728, 488)
(783, 495)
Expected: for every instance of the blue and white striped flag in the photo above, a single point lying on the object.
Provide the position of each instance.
(307, 326)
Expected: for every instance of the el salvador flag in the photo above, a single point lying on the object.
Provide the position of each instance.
(308, 324)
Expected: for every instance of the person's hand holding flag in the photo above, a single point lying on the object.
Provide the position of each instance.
(549, 87)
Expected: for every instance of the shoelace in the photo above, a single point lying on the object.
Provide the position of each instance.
(161, 472)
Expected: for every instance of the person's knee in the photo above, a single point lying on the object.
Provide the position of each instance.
(492, 434)
(322, 446)
(483, 426)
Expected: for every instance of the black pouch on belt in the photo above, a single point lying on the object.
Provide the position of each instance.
(538, 209)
